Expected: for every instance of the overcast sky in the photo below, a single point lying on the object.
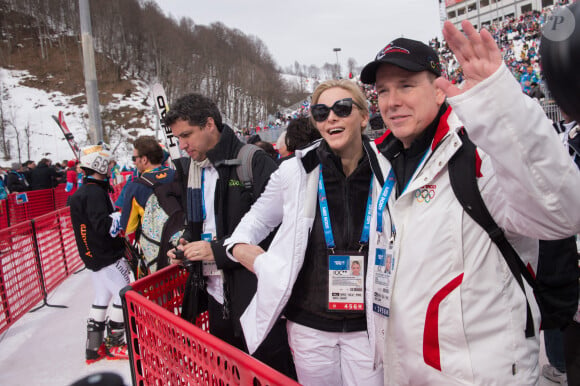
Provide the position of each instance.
(308, 31)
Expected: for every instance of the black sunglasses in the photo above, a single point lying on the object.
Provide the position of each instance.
(342, 108)
(134, 158)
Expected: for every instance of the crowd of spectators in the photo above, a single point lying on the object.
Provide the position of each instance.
(519, 41)
(30, 175)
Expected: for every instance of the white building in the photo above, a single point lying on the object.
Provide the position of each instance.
(483, 12)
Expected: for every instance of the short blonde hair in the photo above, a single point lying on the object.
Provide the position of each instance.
(357, 95)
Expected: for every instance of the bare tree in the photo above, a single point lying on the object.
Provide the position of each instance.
(351, 63)
(3, 122)
(230, 67)
(6, 121)
(27, 133)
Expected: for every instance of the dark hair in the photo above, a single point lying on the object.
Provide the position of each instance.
(44, 162)
(253, 139)
(148, 146)
(300, 133)
(88, 172)
(195, 109)
(268, 148)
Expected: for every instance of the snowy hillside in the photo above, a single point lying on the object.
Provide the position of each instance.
(30, 110)
(33, 134)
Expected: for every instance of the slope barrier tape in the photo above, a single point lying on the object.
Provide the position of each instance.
(35, 257)
(165, 349)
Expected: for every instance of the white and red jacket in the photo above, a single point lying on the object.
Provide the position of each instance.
(457, 315)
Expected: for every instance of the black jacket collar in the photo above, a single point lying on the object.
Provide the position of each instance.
(311, 159)
(103, 184)
(226, 148)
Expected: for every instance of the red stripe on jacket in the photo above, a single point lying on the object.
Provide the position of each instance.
(431, 352)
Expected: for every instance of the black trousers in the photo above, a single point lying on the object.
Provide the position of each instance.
(572, 353)
(274, 350)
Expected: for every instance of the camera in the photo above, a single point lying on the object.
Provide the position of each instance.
(179, 254)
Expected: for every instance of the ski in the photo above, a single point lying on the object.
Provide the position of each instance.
(162, 107)
(67, 134)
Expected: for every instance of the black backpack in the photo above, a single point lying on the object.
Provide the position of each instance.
(556, 283)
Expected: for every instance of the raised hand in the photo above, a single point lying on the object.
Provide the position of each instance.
(476, 52)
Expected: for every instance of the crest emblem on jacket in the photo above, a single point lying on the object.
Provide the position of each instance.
(425, 193)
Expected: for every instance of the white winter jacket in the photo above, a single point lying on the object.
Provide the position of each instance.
(292, 195)
(457, 315)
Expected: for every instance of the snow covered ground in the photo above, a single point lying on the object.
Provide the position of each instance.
(33, 108)
(46, 347)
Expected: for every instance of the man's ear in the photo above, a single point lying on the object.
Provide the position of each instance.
(210, 124)
(439, 96)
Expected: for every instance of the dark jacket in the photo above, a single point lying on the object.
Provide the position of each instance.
(43, 177)
(90, 208)
(232, 201)
(16, 182)
(347, 201)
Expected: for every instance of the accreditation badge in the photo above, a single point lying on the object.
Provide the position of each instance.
(346, 282)
(384, 267)
(209, 267)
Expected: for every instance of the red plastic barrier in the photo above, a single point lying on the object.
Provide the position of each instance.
(165, 349)
(35, 257)
(71, 252)
(60, 196)
(4, 214)
(126, 176)
(20, 280)
(20, 207)
(51, 250)
(26, 206)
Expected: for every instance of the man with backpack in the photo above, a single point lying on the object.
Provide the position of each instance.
(222, 178)
(148, 204)
(449, 301)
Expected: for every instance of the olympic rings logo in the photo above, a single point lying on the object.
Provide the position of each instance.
(425, 194)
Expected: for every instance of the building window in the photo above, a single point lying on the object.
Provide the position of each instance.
(451, 15)
(483, 3)
(461, 11)
(546, 3)
(471, 7)
(526, 8)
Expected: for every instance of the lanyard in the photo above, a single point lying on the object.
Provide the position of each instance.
(202, 193)
(324, 213)
(386, 193)
(384, 198)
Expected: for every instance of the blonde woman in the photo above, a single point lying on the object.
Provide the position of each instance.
(323, 200)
